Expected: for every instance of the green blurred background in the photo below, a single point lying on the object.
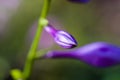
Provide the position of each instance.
(94, 21)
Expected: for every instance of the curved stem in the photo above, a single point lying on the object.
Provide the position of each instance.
(32, 53)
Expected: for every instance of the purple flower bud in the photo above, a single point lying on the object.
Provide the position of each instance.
(99, 54)
(79, 1)
(62, 38)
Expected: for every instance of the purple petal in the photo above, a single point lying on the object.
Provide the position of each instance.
(51, 30)
(99, 54)
(62, 38)
(65, 40)
(80, 1)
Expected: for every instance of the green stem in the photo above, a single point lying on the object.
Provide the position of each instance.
(32, 53)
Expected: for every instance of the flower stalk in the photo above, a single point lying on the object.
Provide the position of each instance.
(32, 52)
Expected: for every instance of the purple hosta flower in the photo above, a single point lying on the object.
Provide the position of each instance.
(99, 54)
(79, 1)
(62, 38)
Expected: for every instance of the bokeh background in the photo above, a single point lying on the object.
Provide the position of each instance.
(98, 20)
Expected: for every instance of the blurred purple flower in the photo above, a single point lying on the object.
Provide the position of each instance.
(99, 54)
(80, 1)
(7, 8)
(62, 38)
(9, 4)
